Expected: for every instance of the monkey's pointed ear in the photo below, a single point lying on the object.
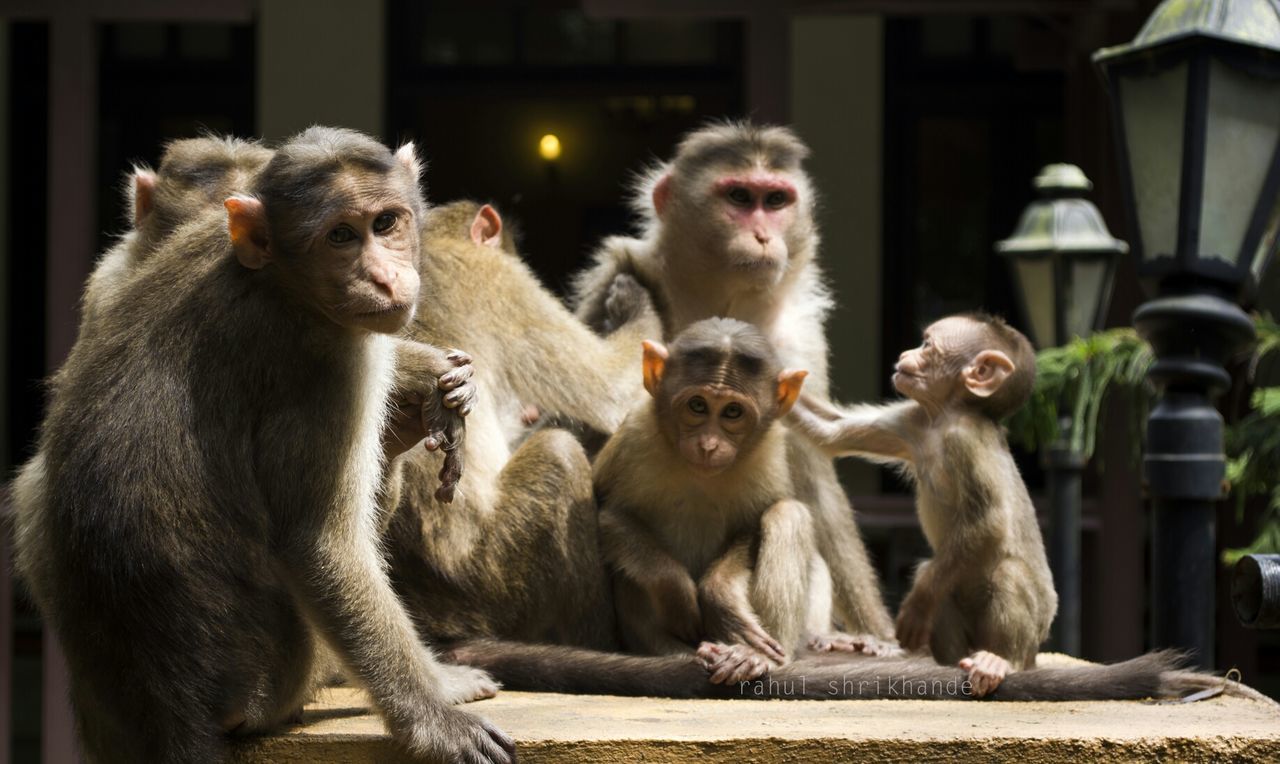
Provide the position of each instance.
(407, 155)
(486, 229)
(655, 363)
(789, 383)
(247, 224)
(144, 194)
(986, 373)
(662, 194)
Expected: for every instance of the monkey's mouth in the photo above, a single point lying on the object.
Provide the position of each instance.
(388, 310)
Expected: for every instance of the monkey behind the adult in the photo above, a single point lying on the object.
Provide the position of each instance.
(729, 231)
(202, 510)
(986, 599)
(195, 175)
(516, 554)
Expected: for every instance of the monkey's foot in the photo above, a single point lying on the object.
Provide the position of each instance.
(986, 670)
(463, 684)
(867, 644)
(730, 664)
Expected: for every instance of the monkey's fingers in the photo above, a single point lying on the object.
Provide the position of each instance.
(458, 377)
(757, 637)
(497, 745)
(461, 398)
(458, 357)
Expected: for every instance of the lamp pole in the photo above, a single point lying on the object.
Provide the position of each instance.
(1063, 258)
(1196, 103)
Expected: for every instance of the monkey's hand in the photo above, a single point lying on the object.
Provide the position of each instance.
(443, 421)
(625, 301)
(463, 684)
(730, 664)
(915, 621)
(675, 600)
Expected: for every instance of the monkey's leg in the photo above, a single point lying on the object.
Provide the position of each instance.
(780, 582)
(724, 599)
(856, 585)
(1006, 622)
(545, 491)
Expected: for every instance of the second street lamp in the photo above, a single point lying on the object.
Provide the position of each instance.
(1064, 261)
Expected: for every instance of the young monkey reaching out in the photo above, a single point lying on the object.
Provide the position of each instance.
(986, 599)
(697, 520)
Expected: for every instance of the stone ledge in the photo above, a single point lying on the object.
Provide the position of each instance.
(338, 728)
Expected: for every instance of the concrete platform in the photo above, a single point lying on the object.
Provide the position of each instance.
(575, 728)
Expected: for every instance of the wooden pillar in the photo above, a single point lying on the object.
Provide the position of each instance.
(837, 106)
(768, 66)
(73, 126)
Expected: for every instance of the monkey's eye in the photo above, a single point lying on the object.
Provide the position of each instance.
(697, 406)
(739, 195)
(777, 199)
(384, 222)
(342, 235)
(732, 411)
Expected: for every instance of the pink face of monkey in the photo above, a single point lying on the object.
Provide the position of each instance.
(758, 210)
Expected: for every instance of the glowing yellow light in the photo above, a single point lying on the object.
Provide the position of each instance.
(549, 147)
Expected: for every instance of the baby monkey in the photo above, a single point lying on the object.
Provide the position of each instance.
(986, 599)
(697, 520)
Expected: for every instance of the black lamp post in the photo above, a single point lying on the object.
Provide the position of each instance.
(1064, 260)
(1196, 102)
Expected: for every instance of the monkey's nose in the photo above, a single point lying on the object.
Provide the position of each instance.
(762, 237)
(385, 280)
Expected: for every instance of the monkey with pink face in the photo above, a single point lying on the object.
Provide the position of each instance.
(986, 599)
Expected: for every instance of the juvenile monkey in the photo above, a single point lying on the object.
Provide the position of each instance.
(696, 518)
(195, 175)
(202, 505)
(728, 230)
(986, 598)
(516, 554)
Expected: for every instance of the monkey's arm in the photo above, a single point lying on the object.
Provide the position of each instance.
(882, 433)
(635, 555)
(724, 598)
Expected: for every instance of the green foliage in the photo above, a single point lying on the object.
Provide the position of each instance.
(1253, 453)
(1072, 383)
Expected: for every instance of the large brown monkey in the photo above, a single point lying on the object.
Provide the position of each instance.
(195, 174)
(696, 519)
(202, 505)
(986, 599)
(729, 231)
(516, 555)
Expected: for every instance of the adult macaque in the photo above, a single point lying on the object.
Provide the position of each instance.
(696, 518)
(195, 175)
(202, 505)
(986, 599)
(516, 555)
(729, 231)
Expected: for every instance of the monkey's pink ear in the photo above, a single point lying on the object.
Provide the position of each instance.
(486, 229)
(655, 363)
(662, 194)
(986, 373)
(789, 383)
(407, 155)
(144, 195)
(247, 224)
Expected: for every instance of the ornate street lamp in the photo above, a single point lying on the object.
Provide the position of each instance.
(1196, 105)
(1064, 259)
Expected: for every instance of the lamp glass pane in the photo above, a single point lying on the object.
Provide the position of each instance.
(1036, 277)
(1154, 112)
(1243, 126)
(1085, 290)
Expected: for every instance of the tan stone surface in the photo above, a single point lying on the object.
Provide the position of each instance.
(574, 728)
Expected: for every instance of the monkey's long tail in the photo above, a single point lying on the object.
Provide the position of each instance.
(554, 668)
